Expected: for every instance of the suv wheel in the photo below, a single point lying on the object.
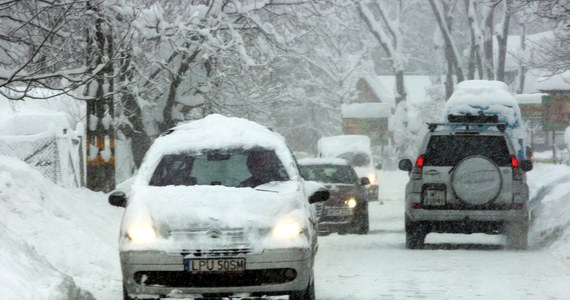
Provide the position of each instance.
(415, 234)
(517, 235)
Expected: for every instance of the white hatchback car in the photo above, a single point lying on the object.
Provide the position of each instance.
(218, 209)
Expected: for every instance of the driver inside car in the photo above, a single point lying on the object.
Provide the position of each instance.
(263, 168)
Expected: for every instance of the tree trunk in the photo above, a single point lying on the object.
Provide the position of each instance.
(502, 43)
(100, 135)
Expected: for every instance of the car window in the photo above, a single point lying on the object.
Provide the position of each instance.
(214, 167)
(448, 150)
(358, 159)
(329, 174)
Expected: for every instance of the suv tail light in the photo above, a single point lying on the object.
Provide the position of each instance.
(417, 170)
(517, 171)
(420, 161)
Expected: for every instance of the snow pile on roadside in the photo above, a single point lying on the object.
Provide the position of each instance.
(550, 192)
(24, 274)
(59, 241)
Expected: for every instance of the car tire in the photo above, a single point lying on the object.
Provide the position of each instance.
(517, 235)
(306, 294)
(415, 234)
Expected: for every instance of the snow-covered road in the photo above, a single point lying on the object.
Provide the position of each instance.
(378, 266)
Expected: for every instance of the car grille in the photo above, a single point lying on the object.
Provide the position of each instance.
(216, 242)
(182, 279)
(230, 252)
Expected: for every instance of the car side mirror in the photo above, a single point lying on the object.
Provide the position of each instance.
(405, 165)
(379, 166)
(118, 198)
(364, 181)
(319, 196)
(526, 165)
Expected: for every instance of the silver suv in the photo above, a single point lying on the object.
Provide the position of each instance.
(467, 179)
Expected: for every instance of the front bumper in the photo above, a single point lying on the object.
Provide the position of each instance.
(152, 274)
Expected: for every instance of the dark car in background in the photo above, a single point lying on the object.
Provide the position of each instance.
(346, 211)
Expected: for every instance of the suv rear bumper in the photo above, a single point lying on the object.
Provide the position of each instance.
(461, 221)
(512, 215)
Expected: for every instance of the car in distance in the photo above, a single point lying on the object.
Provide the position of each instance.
(346, 211)
(466, 179)
(218, 209)
(356, 149)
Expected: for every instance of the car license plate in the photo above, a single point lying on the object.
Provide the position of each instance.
(434, 197)
(337, 212)
(214, 265)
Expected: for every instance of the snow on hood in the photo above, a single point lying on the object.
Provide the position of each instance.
(183, 207)
(193, 208)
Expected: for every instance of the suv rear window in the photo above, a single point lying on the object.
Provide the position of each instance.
(448, 150)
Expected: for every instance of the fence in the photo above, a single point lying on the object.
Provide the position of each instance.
(57, 155)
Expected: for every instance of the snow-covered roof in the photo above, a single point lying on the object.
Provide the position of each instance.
(535, 98)
(323, 161)
(366, 110)
(332, 146)
(559, 82)
(386, 95)
(31, 116)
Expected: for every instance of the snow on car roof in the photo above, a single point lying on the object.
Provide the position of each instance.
(481, 92)
(217, 131)
(323, 161)
(336, 145)
(491, 97)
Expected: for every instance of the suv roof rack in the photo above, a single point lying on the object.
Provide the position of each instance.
(469, 118)
(501, 126)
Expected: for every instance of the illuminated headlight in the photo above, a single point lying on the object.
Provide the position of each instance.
(141, 233)
(372, 177)
(287, 229)
(350, 203)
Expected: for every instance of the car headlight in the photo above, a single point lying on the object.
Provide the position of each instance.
(287, 229)
(141, 232)
(372, 178)
(350, 203)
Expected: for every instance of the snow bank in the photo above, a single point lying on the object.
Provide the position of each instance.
(54, 235)
(551, 209)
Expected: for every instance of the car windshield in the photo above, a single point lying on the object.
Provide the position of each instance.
(358, 159)
(232, 168)
(329, 173)
(448, 150)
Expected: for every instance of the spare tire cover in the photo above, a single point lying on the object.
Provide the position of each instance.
(476, 180)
